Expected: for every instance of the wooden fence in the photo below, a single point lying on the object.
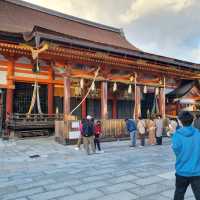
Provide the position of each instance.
(111, 129)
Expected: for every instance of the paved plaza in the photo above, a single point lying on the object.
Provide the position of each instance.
(62, 173)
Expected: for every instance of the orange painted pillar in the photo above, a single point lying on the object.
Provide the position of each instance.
(137, 109)
(51, 93)
(66, 96)
(104, 100)
(50, 99)
(162, 102)
(84, 109)
(114, 108)
(10, 88)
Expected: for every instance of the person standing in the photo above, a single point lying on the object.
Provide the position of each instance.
(88, 135)
(196, 123)
(81, 135)
(159, 130)
(141, 129)
(151, 128)
(186, 146)
(98, 132)
(132, 129)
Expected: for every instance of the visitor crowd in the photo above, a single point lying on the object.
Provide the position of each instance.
(185, 133)
(153, 128)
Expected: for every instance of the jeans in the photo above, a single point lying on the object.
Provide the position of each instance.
(97, 142)
(182, 184)
(159, 140)
(142, 140)
(133, 138)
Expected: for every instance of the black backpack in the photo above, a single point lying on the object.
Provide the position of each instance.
(88, 129)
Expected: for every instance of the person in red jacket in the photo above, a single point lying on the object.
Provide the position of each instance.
(98, 132)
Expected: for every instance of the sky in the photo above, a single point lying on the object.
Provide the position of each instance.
(165, 27)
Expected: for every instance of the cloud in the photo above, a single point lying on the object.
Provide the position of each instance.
(165, 27)
(141, 8)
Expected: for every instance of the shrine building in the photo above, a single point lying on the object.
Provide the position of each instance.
(50, 61)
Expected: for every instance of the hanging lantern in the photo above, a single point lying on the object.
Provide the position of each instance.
(115, 87)
(129, 89)
(57, 110)
(145, 89)
(157, 91)
(82, 83)
(93, 86)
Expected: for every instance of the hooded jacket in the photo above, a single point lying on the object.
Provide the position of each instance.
(186, 146)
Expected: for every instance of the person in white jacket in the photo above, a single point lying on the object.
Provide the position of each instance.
(141, 125)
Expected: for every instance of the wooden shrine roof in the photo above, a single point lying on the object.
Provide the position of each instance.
(19, 17)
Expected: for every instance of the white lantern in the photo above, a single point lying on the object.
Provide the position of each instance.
(57, 110)
(115, 87)
(82, 83)
(145, 89)
(130, 89)
(93, 86)
(157, 91)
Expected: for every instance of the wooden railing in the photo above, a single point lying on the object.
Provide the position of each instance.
(111, 129)
(18, 121)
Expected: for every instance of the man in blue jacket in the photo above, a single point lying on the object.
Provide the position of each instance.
(132, 129)
(186, 146)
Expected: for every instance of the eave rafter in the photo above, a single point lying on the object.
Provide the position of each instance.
(100, 59)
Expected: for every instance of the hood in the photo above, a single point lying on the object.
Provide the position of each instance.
(186, 131)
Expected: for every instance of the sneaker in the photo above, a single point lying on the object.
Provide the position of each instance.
(77, 148)
(101, 151)
(131, 146)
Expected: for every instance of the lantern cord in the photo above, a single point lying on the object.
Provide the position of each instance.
(90, 88)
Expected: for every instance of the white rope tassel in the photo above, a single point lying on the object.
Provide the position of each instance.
(33, 99)
(95, 76)
(38, 100)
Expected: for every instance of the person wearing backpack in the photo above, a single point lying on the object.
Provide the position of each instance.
(88, 135)
(132, 130)
(186, 146)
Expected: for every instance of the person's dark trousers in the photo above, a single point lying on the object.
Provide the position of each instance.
(97, 142)
(182, 184)
(159, 140)
(142, 140)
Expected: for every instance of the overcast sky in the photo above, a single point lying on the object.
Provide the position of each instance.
(164, 27)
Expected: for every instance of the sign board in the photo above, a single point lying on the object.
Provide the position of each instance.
(74, 134)
(75, 125)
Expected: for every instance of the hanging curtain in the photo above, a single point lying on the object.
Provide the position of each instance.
(155, 109)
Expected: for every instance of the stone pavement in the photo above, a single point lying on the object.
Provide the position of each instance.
(62, 173)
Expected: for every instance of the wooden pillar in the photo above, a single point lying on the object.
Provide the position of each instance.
(10, 88)
(162, 102)
(51, 93)
(66, 97)
(114, 108)
(84, 109)
(50, 99)
(104, 100)
(137, 109)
